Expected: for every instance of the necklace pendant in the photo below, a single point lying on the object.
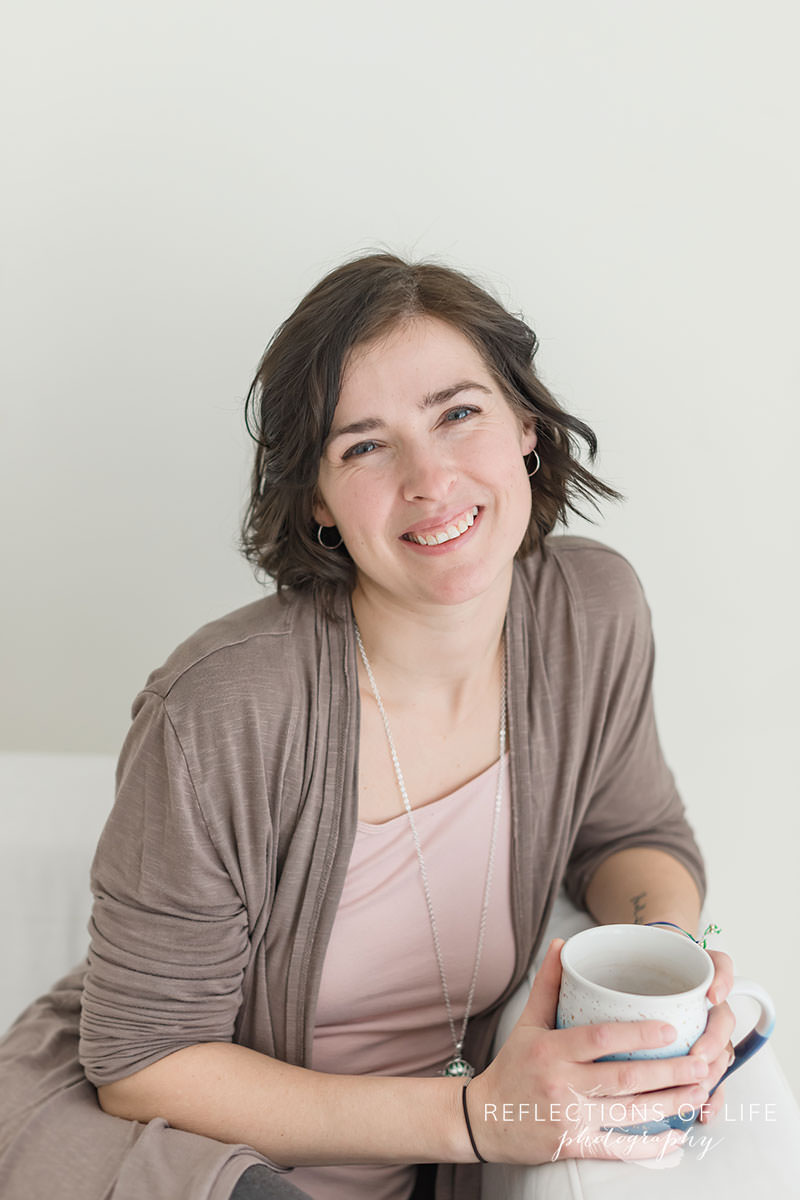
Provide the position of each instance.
(459, 1067)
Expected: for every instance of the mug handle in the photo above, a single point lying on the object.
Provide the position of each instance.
(757, 1037)
(746, 1048)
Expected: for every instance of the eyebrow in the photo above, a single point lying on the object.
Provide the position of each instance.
(430, 400)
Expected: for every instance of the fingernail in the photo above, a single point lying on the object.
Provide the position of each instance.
(668, 1033)
(699, 1094)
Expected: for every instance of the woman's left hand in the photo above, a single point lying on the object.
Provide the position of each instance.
(714, 1044)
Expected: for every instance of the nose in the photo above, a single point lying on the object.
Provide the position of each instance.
(427, 475)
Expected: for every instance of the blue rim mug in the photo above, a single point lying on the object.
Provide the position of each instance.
(644, 972)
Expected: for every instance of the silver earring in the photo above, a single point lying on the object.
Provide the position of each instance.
(538, 464)
(325, 545)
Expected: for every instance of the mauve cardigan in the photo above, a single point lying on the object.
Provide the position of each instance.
(219, 871)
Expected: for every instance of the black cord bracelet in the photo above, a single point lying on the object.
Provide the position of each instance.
(478, 1154)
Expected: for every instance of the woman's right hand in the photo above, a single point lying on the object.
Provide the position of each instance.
(545, 1096)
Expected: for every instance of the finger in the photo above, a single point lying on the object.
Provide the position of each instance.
(713, 1106)
(722, 982)
(542, 1004)
(587, 1043)
(685, 1102)
(717, 1069)
(715, 1037)
(637, 1076)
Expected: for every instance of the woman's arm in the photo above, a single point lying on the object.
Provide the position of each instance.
(642, 884)
(294, 1116)
(299, 1117)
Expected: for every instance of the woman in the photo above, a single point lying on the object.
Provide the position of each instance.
(343, 812)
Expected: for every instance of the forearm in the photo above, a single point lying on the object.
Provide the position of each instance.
(296, 1116)
(640, 885)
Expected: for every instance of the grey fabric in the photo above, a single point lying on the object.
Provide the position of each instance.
(260, 1183)
(220, 869)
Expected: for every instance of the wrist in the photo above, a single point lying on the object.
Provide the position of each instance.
(676, 920)
(458, 1146)
(468, 1122)
(473, 1122)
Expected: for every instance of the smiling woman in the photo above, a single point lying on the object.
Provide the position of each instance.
(311, 403)
(343, 812)
(438, 456)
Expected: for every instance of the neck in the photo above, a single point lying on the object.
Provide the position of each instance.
(440, 651)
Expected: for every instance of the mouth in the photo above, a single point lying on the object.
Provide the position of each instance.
(450, 532)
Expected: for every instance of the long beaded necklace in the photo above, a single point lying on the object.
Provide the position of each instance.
(456, 1064)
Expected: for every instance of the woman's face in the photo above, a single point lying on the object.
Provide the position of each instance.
(424, 448)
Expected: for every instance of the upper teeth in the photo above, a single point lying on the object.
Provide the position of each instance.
(436, 536)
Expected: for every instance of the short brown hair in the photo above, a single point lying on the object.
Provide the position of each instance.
(291, 402)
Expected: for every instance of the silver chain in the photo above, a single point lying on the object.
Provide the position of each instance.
(458, 1042)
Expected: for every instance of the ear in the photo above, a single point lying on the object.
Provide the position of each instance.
(322, 514)
(529, 438)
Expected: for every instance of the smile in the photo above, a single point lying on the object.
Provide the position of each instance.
(447, 533)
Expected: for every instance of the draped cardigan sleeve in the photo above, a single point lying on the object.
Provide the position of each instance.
(631, 798)
(169, 925)
(218, 873)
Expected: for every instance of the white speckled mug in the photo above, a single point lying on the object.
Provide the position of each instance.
(643, 972)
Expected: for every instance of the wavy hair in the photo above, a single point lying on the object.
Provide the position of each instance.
(290, 406)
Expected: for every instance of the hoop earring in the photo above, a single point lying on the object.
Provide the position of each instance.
(538, 464)
(325, 545)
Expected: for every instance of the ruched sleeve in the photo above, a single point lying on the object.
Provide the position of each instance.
(633, 799)
(169, 935)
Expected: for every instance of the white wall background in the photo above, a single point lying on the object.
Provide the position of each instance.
(179, 173)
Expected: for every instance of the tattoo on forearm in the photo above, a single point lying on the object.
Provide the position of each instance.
(638, 908)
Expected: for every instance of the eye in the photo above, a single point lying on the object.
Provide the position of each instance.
(456, 415)
(359, 450)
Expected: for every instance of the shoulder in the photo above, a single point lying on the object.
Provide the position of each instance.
(251, 644)
(597, 572)
(598, 583)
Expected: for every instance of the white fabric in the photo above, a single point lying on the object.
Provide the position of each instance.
(752, 1152)
(52, 809)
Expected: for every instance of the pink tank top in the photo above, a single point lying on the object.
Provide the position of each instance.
(381, 1010)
